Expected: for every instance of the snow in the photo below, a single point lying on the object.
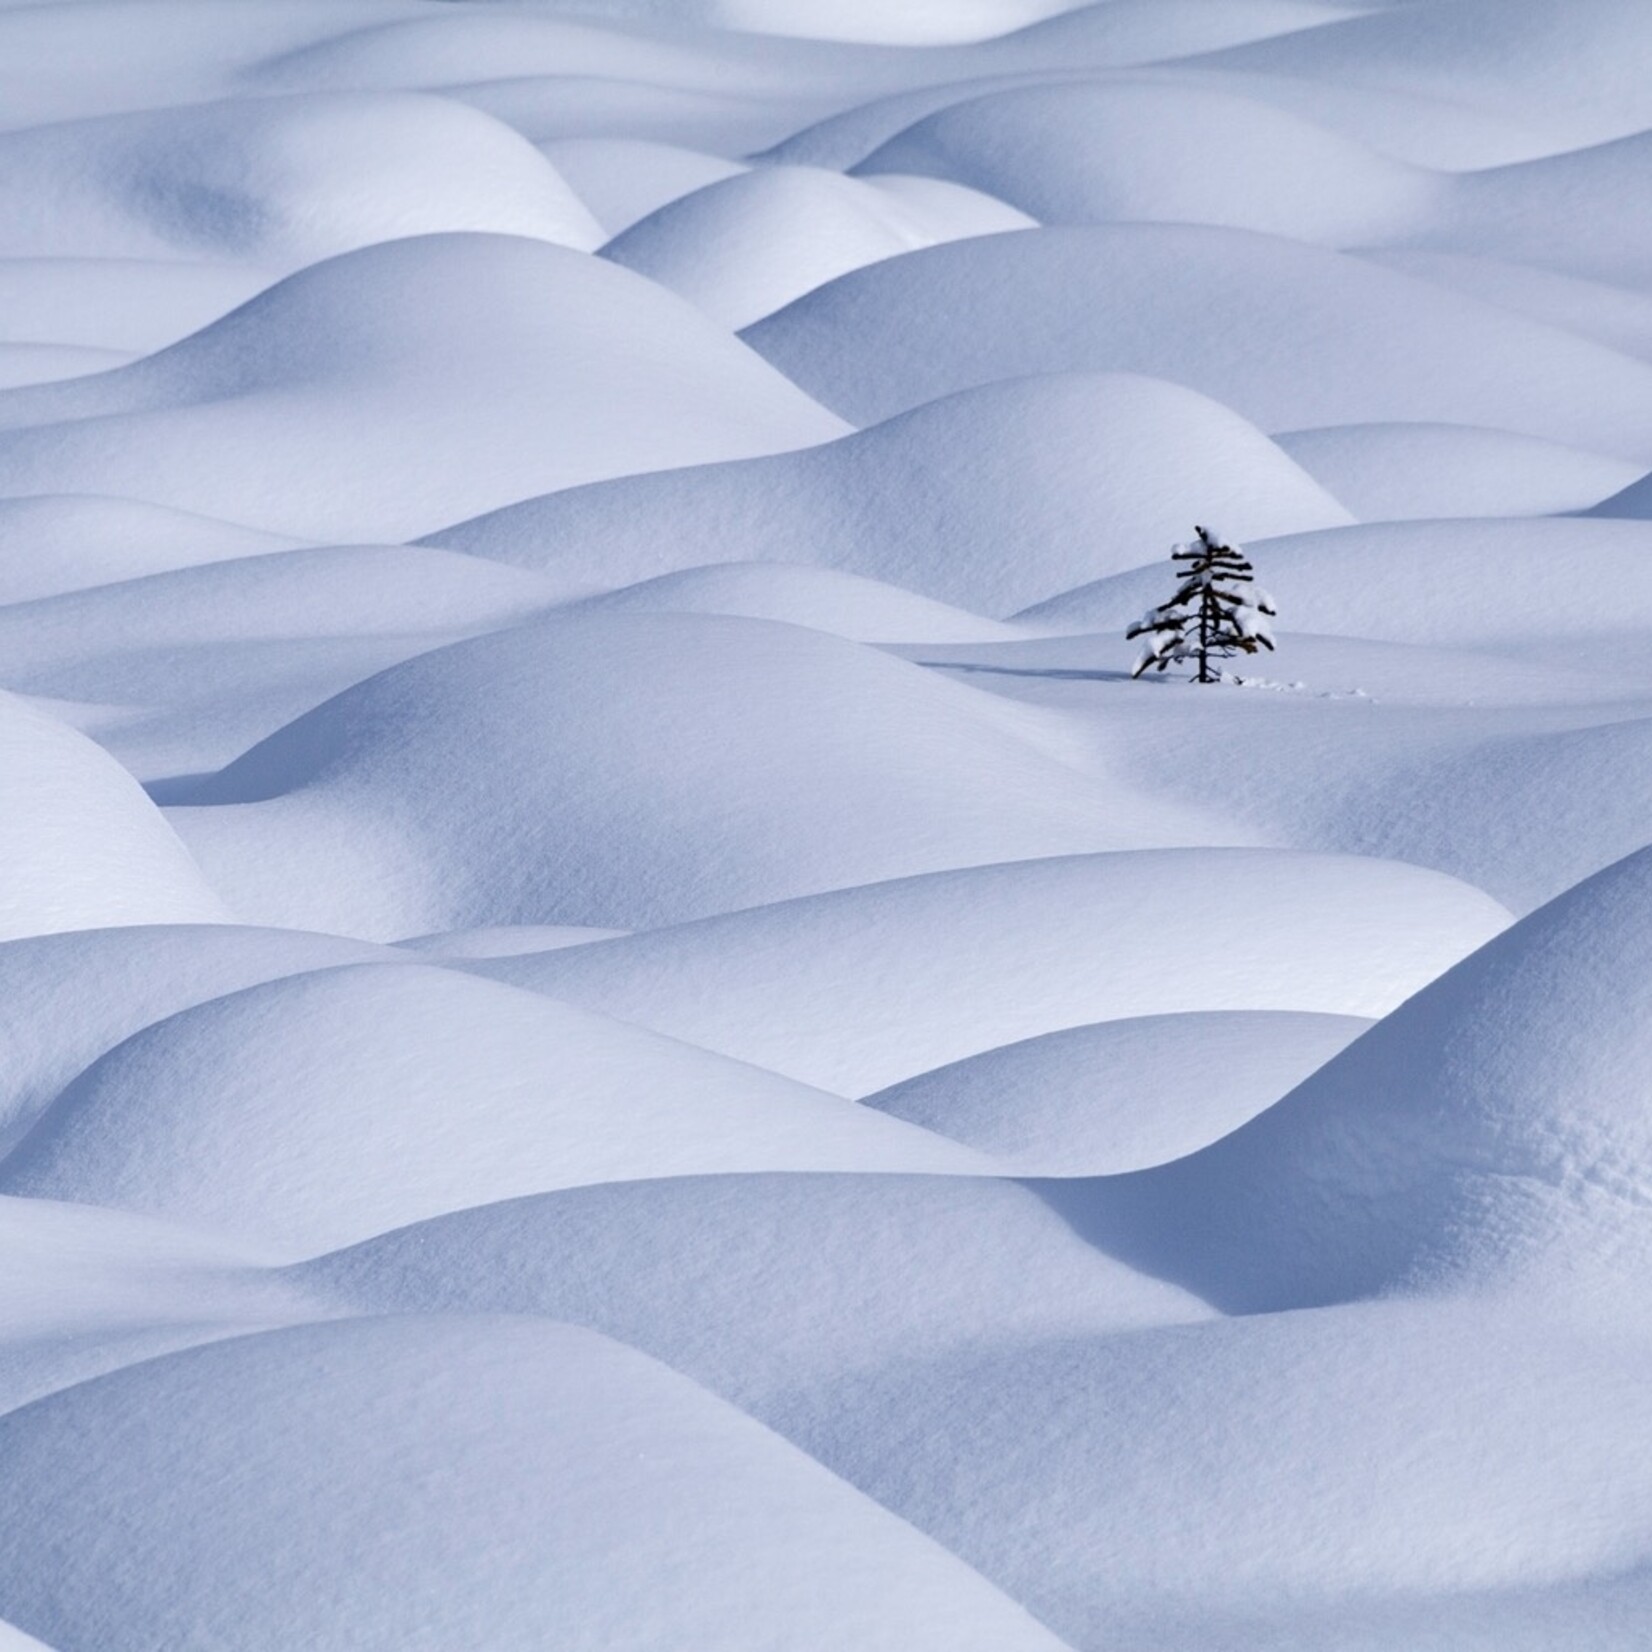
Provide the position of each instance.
(774, 758)
(623, 180)
(1126, 151)
(1120, 1095)
(1287, 334)
(1487, 1131)
(1248, 1479)
(825, 599)
(857, 989)
(331, 406)
(68, 998)
(81, 846)
(1570, 77)
(929, 499)
(89, 1290)
(278, 1443)
(1479, 582)
(339, 1121)
(621, 1027)
(51, 544)
(764, 1286)
(747, 246)
(1425, 472)
(278, 183)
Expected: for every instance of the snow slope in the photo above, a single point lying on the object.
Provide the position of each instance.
(773, 759)
(1120, 1095)
(1127, 151)
(624, 180)
(601, 1469)
(1479, 581)
(280, 1109)
(1489, 1129)
(277, 183)
(764, 1286)
(747, 246)
(68, 998)
(81, 847)
(1080, 473)
(86, 1291)
(1289, 335)
(1359, 1476)
(825, 599)
(376, 395)
(857, 989)
(73, 542)
(1399, 472)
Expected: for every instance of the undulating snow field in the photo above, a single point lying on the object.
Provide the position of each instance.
(620, 1030)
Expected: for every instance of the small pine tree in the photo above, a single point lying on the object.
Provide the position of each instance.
(1212, 613)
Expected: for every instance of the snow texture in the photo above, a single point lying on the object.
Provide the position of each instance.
(621, 1027)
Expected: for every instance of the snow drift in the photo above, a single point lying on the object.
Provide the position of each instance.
(991, 498)
(562, 1463)
(1490, 1129)
(649, 768)
(1290, 336)
(329, 1106)
(863, 987)
(377, 395)
(277, 182)
(81, 846)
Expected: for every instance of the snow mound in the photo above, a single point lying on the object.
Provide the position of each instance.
(825, 599)
(865, 22)
(718, 118)
(763, 1286)
(623, 180)
(747, 246)
(128, 304)
(1491, 1128)
(505, 940)
(1116, 1484)
(1568, 801)
(86, 1291)
(990, 498)
(859, 989)
(277, 182)
(1126, 151)
(63, 644)
(1119, 1095)
(1291, 336)
(377, 394)
(1633, 501)
(49, 545)
(81, 846)
(1613, 316)
(66, 999)
(551, 1488)
(1555, 212)
(324, 1108)
(1568, 78)
(1467, 583)
(623, 770)
(851, 22)
(1404, 472)
(24, 364)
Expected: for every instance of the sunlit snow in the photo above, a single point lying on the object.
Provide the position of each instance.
(620, 1028)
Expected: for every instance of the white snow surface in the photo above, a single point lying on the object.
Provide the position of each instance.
(620, 1028)
(1081, 472)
